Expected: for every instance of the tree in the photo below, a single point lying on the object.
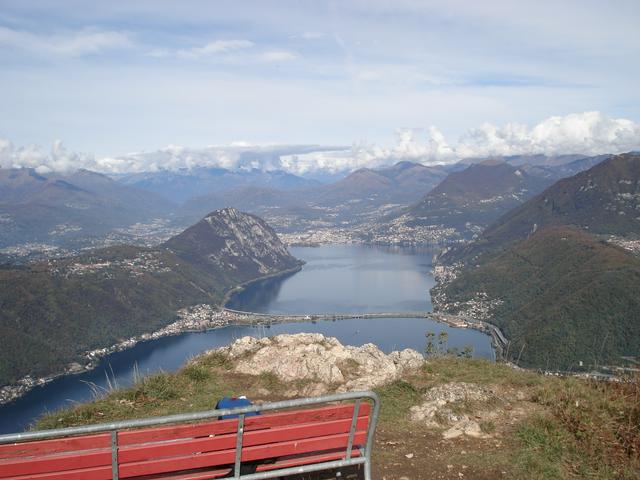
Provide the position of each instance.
(443, 337)
(430, 348)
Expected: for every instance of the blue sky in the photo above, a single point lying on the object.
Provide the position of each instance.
(123, 76)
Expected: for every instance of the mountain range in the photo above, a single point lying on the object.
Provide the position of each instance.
(58, 208)
(183, 185)
(540, 249)
(604, 199)
(85, 209)
(473, 198)
(358, 196)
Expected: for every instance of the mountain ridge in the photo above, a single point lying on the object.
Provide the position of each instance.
(72, 206)
(591, 200)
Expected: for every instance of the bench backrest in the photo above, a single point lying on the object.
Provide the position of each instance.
(309, 439)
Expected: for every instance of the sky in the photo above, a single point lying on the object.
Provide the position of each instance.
(122, 85)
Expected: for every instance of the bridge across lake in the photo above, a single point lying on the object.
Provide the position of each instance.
(286, 317)
(452, 320)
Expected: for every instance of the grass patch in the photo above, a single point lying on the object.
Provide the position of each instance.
(197, 373)
(270, 381)
(396, 399)
(215, 360)
(602, 421)
(196, 387)
(544, 448)
(448, 368)
(161, 387)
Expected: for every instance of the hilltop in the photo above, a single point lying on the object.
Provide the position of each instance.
(400, 183)
(446, 418)
(53, 312)
(462, 205)
(233, 243)
(473, 198)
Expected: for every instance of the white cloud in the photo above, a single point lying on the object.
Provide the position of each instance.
(59, 159)
(67, 44)
(216, 48)
(274, 56)
(589, 133)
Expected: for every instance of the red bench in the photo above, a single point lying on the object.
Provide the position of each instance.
(281, 441)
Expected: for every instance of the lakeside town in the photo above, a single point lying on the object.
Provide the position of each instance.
(159, 230)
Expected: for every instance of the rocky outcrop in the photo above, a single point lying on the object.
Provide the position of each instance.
(442, 409)
(320, 364)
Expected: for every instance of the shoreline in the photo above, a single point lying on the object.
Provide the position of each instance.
(242, 286)
(14, 391)
(220, 317)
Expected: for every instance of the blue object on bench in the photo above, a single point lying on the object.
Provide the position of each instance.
(234, 402)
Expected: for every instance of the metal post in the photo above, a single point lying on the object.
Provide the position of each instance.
(236, 472)
(114, 455)
(373, 421)
(352, 432)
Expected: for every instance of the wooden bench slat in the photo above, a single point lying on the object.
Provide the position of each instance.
(103, 473)
(227, 457)
(55, 463)
(287, 462)
(225, 442)
(179, 451)
(98, 473)
(46, 447)
(299, 460)
(249, 454)
(220, 427)
(198, 474)
(96, 457)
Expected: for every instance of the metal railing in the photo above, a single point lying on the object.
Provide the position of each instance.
(114, 427)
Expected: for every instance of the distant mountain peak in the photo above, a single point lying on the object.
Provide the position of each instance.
(602, 200)
(228, 212)
(467, 201)
(229, 238)
(492, 162)
(405, 164)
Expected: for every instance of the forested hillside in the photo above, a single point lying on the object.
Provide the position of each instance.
(52, 311)
(562, 296)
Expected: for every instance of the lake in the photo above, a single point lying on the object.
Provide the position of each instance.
(336, 279)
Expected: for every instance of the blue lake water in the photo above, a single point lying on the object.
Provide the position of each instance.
(336, 278)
